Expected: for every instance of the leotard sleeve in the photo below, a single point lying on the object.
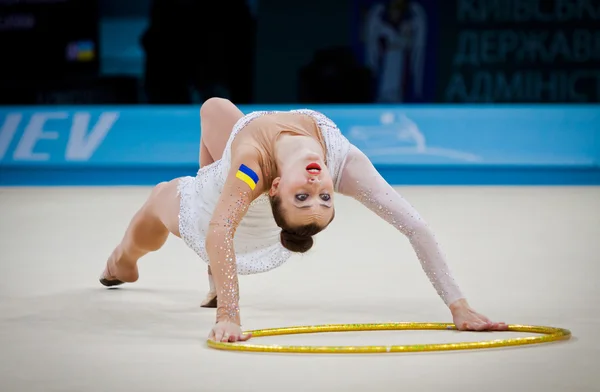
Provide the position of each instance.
(242, 186)
(361, 181)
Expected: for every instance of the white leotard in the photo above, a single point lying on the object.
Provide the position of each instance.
(257, 242)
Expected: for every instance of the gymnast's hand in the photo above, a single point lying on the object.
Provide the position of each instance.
(227, 331)
(467, 319)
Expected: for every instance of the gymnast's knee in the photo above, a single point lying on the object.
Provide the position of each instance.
(213, 105)
(157, 189)
(153, 202)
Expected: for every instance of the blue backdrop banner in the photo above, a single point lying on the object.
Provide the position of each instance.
(57, 145)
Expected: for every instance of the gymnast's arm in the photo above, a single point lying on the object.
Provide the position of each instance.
(233, 204)
(361, 181)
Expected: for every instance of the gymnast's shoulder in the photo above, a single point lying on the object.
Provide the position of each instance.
(246, 170)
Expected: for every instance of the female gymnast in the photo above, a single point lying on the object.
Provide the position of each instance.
(265, 186)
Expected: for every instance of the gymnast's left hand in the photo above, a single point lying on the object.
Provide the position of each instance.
(467, 319)
(227, 331)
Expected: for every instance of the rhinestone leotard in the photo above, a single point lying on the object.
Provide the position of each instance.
(257, 246)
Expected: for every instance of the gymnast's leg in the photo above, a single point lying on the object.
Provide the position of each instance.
(217, 118)
(147, 232)
(159, 216)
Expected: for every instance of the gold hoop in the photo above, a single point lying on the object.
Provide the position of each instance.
(549, 334)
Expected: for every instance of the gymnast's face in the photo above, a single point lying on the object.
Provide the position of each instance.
(305, 189)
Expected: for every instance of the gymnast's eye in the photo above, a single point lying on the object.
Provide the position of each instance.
(301, 196)
(325, 197)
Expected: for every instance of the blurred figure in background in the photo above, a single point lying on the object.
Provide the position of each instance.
(198, 49)
(396, 34)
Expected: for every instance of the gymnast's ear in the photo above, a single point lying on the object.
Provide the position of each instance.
(274, 187)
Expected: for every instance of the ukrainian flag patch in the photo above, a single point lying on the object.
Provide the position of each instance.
(247, 175)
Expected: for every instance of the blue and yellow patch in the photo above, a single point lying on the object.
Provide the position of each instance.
(247, 175)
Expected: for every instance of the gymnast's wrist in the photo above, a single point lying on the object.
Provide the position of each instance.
(459, 304)
(228, 316)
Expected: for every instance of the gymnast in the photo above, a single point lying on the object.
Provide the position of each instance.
(265, 186)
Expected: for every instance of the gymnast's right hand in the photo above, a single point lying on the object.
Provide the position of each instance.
(226, 331)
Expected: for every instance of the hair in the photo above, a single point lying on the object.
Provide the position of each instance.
(296, 239)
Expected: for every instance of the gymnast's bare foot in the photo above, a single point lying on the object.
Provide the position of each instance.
(211, 298)
(210, 301)
(116, 273)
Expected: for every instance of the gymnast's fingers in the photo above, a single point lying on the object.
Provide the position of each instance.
(474, 326)
(244, 337)
(499, 327)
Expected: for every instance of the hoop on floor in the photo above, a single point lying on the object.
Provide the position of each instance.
(549, 334)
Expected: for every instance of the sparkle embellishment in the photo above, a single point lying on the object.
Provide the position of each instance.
(257, 241)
